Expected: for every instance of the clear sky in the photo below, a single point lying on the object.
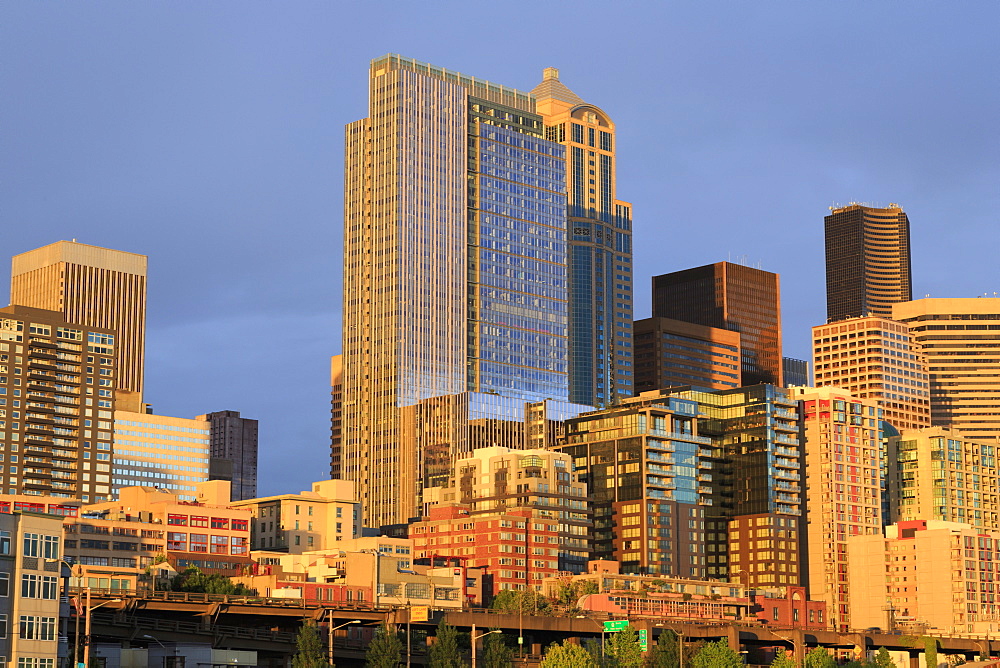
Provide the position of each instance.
(208, 136)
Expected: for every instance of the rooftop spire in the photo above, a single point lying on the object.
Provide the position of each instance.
(551, 87)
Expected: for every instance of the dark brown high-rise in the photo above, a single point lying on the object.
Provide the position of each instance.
(867, 261)
(734, 297)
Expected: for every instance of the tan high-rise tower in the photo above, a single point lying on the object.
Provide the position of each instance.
(91, 287)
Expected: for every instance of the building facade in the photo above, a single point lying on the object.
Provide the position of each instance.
(867, 261)
(95, 288)
(234, 438)
(876, 358)
(455, 264)
(960, 338)
(938, 473)
(599, 245)
(843, 494)
(57, 402)
(734, 297)
(166, 453)
(671, 353)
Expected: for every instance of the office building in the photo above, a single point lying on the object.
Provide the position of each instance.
(843, 494)
(600, 246)
(91, 287)
(234, 439)
(538, 484)
(734, 297)
(167, 453)
(939, 473)
(336, 415)
(875, 358)
(795, 373)
(318, 519)
(672, 353)
(30, 582)
(960, 338)
(455, 266)
(926, 574)
(57, 403)
(867, 261)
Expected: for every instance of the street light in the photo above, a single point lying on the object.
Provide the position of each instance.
(76, 633)
(90, 609)
(330, 633)
(475, 638)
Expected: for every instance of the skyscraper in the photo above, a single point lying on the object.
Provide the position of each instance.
(600, 246)
(455, 269)
(234, 438)
(670, 353)
(734, 297)
(91, 287)
(960, 338)
(867, 261)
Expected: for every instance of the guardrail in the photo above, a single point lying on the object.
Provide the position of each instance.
(193, 628)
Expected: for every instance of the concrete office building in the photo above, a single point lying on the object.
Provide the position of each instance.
(234, 439)
(843, 495)
(734, 297)
(672, 353)
(600, 246)
(940, 474)
(867, 261)
(875, 358)
(57, 402)
(961, 340)
(455, 267)
(91, 287)
(167, 453)
(794, 372)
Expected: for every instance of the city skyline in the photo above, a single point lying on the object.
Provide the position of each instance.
(190, 173)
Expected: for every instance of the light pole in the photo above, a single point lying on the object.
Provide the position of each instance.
(76, 633)
(475, 638)
(330, 635)
(89, 609)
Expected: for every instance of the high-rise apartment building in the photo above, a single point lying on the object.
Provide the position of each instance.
(961, 340)
(455, 266)
(938, 473)
(875, 358)
(57, 404)
(672, 353)
(734, 297)
(842, 489)
(234, 438)
(91, 287)
(167, 453)
(867, 261)
(600, 246)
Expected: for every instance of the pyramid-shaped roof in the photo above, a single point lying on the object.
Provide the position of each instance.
(551, 87)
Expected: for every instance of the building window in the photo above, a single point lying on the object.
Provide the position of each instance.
(4, 584)
(199, 542)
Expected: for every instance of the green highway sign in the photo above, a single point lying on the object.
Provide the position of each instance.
(615, 625)
(644, 639)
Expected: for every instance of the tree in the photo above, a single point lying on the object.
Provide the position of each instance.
(717, 654)
(567, 655)
(819, 657)
(192, 579)
(444, 651)
(783, 660)
(385, 648)
(882, 659)
(528, 602)
(623, 648)
(309, 650)
(665, 653)
(496, 652)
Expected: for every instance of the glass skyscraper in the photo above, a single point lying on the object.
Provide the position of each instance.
(455, 272)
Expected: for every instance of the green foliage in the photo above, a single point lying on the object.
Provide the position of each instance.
(623, 648)
(717, 654)
(819, 657)
(385, 649)
(882, 659)
(665, 653)
(931, 652)
(567, 655)
(309, 650)
(783, 659)
(192, 579)
(444, 652)
(496, 652)
(527, 602)
(569, 592)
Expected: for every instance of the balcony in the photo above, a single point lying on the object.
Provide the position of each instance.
(45, 408)
(35, 363)
(38, 439)
(39, 396)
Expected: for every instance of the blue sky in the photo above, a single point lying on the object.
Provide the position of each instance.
(208, 136)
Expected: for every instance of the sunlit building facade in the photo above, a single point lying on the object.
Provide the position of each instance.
(867, 261)
(167, 453)
(672, 353)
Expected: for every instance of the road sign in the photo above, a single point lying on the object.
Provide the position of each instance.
(644, 639)
(615, 625)
(419, 613)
